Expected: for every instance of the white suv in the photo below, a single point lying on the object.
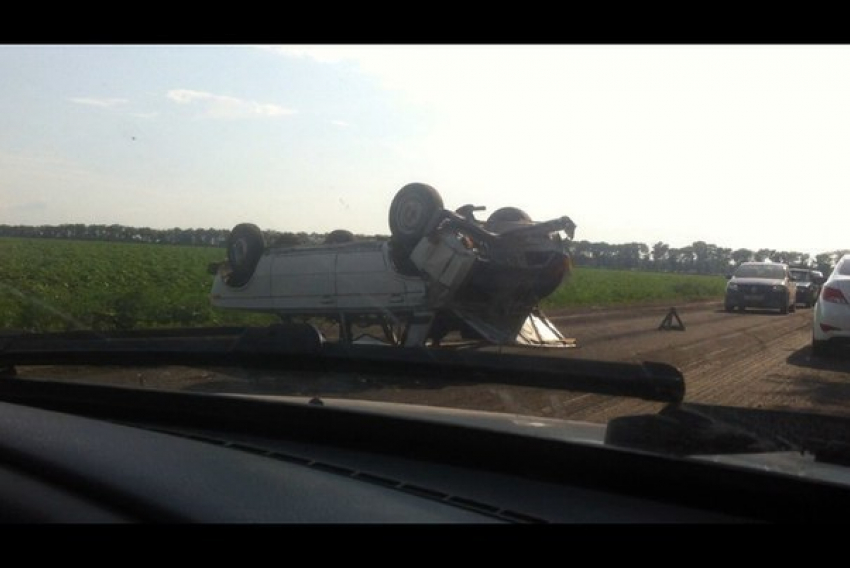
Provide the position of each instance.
(441, 271)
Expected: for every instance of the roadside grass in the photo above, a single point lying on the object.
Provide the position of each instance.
(595, 287)
(59, 285)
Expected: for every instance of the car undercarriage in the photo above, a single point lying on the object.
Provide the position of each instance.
(442, 274)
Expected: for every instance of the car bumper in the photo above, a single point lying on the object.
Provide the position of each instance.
(831, 322)
(806, 296)
(761, 299)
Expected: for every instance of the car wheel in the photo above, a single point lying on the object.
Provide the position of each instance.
(505, 215)
(784, 308)
(400, 258)
(729, 307)
(245, 246)
(411, 211)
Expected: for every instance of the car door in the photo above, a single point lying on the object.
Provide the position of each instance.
(365, 282)
(303, 281)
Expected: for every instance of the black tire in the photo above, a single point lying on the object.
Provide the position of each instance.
(339, 236)
(506, 214)
(400, 258)
(729, 307)
(245, 246)
(784, 308)
(411, 211)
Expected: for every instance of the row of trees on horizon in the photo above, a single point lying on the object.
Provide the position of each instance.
(699, 257)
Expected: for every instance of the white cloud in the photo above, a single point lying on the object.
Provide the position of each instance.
(341, 123)
(449, 75)
(222, 106)
(98, 102)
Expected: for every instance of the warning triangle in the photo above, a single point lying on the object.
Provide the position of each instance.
(667, 322)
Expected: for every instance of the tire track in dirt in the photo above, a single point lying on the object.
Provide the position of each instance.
(740, 376)
(755, 359)
(711, 337)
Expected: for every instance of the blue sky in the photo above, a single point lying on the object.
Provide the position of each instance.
(740, 146)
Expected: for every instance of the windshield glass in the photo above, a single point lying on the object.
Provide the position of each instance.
(577, 203)
(801, 275)
(760, 271)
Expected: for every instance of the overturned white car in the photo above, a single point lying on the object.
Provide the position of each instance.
(441, 272)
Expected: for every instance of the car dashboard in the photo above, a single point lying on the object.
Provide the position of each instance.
(94, 454)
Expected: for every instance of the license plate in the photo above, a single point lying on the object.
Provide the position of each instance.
(753, 298)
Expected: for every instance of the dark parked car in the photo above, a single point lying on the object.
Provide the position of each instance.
(808, 285)
(761, 285)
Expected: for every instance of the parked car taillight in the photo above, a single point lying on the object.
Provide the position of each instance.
(833, 295)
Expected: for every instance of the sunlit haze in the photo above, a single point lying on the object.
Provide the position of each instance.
(740, 146)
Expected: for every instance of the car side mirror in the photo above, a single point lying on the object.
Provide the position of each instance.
(728, 277)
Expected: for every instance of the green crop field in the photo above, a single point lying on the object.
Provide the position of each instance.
(56, 285)
(608, 287)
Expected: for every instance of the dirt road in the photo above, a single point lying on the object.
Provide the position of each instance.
(756, 359)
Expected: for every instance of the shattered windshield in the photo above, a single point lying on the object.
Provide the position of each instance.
(580, 205)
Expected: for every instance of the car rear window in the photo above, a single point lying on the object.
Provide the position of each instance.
(760, 271)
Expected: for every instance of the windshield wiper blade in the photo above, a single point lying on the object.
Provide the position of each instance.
(528, 366)
(301, 347)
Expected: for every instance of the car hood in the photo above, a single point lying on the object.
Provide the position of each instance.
(551, 428)
(762, 281)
